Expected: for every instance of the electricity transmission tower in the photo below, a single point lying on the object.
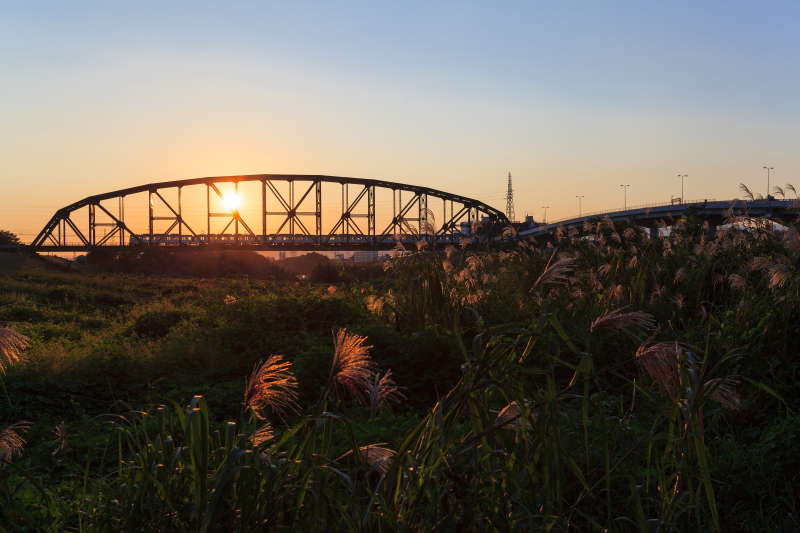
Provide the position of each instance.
(510, 201)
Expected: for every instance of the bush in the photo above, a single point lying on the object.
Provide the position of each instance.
(326, 272)
(157, 324)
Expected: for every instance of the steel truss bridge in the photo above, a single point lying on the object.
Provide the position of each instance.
(295, 201)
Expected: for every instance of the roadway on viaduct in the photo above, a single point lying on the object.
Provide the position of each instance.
(654, 215)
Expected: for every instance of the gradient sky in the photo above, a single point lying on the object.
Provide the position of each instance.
(570, 97)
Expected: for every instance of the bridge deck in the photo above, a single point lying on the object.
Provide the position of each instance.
(649, 215)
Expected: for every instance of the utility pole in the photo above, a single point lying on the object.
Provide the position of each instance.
(545, 214)
(510, 201)
(681, 176)
(579, 205)
(625, 188)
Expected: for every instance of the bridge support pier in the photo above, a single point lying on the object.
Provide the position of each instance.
(654, 232)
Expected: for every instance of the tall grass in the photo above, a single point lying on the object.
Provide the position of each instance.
(578, 463)
(613, 382)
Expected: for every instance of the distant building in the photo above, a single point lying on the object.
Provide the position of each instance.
(366, 255)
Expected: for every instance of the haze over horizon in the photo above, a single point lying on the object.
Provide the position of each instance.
(571, 98)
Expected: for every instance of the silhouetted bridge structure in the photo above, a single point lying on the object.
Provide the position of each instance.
(285, 212)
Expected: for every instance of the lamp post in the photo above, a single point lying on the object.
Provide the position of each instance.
(580, 211)
(769, 204)
(681, 176)
(545, 214)
(625, 188)
(768, 169)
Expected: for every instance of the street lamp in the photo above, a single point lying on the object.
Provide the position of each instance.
(545, 214)
(625, 188)
(681, 176)
(579, 205)
(769, 204)
(767, 169)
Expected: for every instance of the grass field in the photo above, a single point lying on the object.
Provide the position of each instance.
(614, 383)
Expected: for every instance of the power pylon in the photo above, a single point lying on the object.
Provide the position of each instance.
(510, 201)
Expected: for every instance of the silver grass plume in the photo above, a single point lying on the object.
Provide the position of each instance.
(11, 346)
(760, 263)
(61, 438)
(352, 367)
(511, 417)
(262, 434)
(11, 442)
(573, 232)
(779, 275)
(723, 391)
(555, 273)
(381, 391)
(737, 282)
(374, 454)
(747, 192)
(633, 324)
(376, 304)
(661, 360)
(271, 385)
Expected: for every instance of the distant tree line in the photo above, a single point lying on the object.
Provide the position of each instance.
(206, 264)
(6, 237)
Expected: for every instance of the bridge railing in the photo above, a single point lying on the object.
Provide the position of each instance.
(629, 208)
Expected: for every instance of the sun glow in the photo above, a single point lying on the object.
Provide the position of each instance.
(231, 201)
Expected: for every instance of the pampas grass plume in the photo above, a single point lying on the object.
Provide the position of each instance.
(381, 391)
(352, 367)
(11, 346)
(11, 442)
(633, 323)
(271, 385)
(555, 273)
(374, 454)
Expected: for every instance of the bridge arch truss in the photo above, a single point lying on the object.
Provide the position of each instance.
(289, 215)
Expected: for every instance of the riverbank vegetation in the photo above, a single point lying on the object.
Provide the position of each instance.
(613, 382)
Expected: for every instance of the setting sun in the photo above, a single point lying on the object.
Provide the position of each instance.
(231, 201)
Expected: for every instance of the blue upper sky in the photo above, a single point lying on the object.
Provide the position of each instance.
(571, 97)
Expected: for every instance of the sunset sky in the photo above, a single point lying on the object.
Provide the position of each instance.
(572, 98)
